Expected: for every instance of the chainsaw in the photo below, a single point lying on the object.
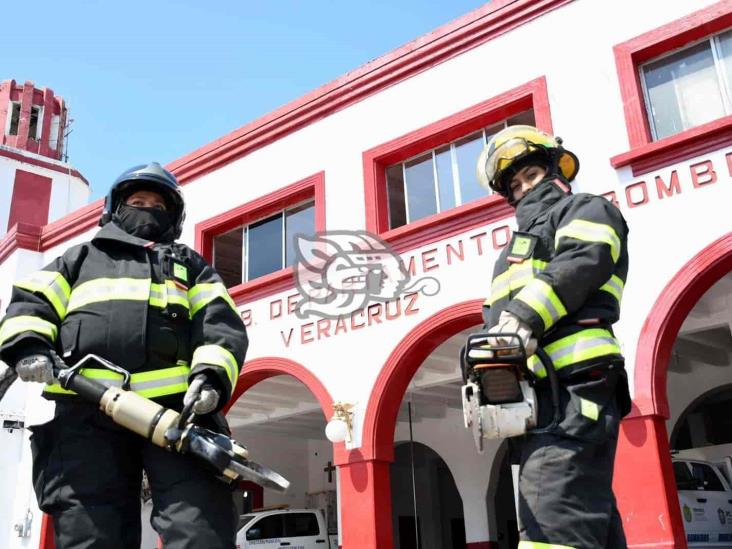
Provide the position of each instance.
(162, 426)
(499, 399)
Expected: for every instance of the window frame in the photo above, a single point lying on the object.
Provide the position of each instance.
(645, 154)
(531, 95)
(310, 188)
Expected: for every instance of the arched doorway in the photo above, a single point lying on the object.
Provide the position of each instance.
(279, 411)
(643, 462)
(417, 470)
(365, 479)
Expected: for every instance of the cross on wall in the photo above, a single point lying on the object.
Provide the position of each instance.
(329, 469)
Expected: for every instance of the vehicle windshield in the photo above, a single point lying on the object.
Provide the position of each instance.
(244, 520)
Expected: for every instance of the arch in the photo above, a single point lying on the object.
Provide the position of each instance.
(259, 369)
(693, 405)
(662, 324)
(399, 368)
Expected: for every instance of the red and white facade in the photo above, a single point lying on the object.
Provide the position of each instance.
(575, 65)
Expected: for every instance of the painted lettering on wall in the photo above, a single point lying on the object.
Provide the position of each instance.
(431, 260)
(656, 187)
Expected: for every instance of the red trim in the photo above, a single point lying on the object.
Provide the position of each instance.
(22, 235)
(482, 545)
(31, 199)
(46, 541)
(19, 156)
(365, 495)
(312, 187)
(643, 466)
(663, 322)
(532, 95)
(645, 155)
(398, 370)
(446, 42)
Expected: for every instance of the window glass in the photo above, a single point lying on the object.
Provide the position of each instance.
(454, 166)
(707, 477)
(445, 180)
(467, 151)
(395, 192)
(265, 247)
(14, 119)
(298, 220)
(682, 474)
(421, 199)
(301, 524)
(266, 528)
(525, 118)
(228, 253)
(35, 114)
(683, 90)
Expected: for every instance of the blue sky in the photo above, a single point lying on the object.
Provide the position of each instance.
(140, 77)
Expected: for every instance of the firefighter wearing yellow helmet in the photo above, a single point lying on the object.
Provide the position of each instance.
(558, 285)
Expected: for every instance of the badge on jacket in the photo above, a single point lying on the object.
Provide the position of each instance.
(521, 247)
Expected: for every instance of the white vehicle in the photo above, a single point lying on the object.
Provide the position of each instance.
(285, 528)
(705, 497)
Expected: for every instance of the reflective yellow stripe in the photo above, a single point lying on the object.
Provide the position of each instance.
(615, 287)
(108, 289)
(19, 324)
(51, 285)
(514, 278)
(541, 297)
(540, 545)
(584, 345)
(162, 294)
(217, 356)
(203, 294)
(589, 409)
(155, 383)
(588, 231)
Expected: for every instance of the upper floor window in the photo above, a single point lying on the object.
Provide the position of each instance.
(263, 246)
(442, 178)
(689, 87)
(14, 120)
(35, 126)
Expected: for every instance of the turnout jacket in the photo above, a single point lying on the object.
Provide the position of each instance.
(157, 310)
(563, 274)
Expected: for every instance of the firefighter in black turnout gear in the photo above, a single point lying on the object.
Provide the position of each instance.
(558, 285)
(155, 307)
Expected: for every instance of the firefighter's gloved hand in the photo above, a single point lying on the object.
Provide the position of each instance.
(205, 395)
(35, 367)
(509, 323)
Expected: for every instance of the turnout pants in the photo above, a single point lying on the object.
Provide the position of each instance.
(565, 478)
(87, 475)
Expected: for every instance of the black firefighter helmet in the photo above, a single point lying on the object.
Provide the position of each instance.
(147, 177)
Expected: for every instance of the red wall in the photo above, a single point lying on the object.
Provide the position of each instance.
(31, 199)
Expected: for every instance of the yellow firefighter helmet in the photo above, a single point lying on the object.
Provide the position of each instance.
(515, 143)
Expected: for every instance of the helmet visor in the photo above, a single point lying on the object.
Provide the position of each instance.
(504, 157)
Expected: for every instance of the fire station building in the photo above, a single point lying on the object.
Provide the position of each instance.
(641, 92)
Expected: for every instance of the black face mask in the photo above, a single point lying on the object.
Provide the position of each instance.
(147, 223)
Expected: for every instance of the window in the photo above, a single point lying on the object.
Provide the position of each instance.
(301, 524)
(706, 477)
(263, 246)
(684, 480)
(14, 118)
(266, 528)
(689, 87)
(34, 128)
(676, 86)
(442, 178)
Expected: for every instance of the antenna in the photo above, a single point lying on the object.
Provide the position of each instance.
(66, 133)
